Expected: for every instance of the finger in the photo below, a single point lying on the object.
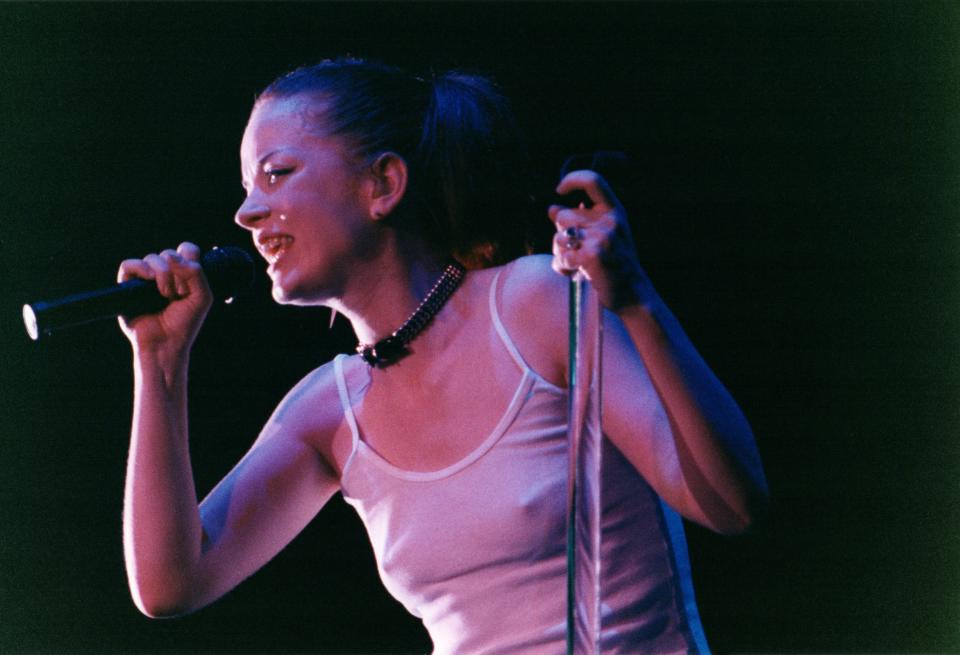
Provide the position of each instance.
(190, 265)
(189, 251)
(561, 263)
(554, 211)
(134, 269)
(181, 269)
(592, 184)
(567, 253)
(170, 256)
(565, 217)
(166, 284)
(558, 266)
(564, 263)
(571, 238)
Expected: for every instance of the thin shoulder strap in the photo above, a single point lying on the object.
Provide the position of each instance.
(345, 403)
(498, 325)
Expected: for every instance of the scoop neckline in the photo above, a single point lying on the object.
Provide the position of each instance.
(513, 408)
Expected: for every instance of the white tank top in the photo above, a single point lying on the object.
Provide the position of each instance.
(477, 550)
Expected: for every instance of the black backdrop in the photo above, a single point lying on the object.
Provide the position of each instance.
(796, 204)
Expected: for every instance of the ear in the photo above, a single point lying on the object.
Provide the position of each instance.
(388, 184)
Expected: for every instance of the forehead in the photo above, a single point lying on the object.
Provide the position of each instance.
(277, 123)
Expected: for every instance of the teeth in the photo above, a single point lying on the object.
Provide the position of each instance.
(273, 247)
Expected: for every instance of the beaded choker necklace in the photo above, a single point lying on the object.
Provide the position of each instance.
(390, 349)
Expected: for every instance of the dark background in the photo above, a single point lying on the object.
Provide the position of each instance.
(796, 204)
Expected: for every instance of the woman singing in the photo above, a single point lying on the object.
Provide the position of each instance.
(399, 203)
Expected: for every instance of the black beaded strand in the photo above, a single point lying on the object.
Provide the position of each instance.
(388, 350)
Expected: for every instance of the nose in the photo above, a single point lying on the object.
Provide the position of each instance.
(250, 213)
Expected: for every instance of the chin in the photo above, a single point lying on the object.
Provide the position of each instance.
(280, 297)
(301, 285)
(284, 291)
(291, 295)
(286, 296)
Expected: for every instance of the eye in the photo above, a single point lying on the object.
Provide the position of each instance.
(274, 174)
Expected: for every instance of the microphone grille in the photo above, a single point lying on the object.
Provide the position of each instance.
(229, 271)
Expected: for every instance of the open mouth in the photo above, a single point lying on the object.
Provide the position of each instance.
(273, 248)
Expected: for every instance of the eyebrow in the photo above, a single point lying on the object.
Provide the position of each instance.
(267, 156)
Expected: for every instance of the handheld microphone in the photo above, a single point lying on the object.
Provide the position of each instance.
(229, 271)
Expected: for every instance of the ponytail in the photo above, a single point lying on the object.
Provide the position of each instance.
(473, 150)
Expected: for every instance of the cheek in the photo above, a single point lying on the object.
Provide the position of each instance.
(341, 231)
(331, 241)
(331, 221)
(334, 207)
(353, 229)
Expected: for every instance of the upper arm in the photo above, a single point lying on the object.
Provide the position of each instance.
(535, 302)
(273, 492)
(678, 431)
(679, 428)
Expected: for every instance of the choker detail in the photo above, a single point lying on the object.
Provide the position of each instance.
(390, 349)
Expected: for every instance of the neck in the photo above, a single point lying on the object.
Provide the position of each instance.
(381, 296)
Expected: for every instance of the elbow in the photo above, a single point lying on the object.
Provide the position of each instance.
(156, 608)
(156, 611)
(743, 523)
(164, 601)
(748, 502)
(746, 517)
(736, 512)
(161, 608)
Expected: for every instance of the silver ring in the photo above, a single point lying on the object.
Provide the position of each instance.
(572, 241)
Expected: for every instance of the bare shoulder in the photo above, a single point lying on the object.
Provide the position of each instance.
(532, 275)
(532, 302)
(310, 412)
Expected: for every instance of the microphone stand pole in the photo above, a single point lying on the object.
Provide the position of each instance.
(584, 474)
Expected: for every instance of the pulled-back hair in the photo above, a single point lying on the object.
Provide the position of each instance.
(456, 132)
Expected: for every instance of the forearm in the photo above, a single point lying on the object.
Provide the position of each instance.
(162, 532)
(720, 467)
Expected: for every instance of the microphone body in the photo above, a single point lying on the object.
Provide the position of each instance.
(229, 271)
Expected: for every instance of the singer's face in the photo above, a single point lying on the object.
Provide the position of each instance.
(304, 203)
